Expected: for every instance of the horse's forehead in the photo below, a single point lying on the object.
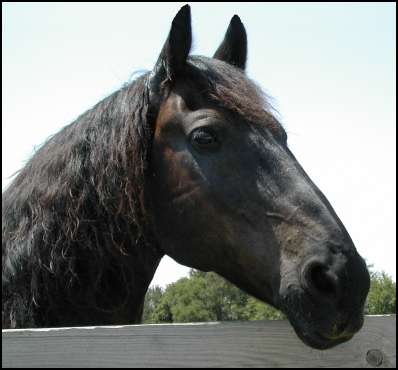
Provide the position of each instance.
(172, 105)
(245, 102)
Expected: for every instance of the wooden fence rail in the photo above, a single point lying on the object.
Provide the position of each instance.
(226, 344)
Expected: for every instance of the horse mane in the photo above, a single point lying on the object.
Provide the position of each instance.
(230, 88)
(81, 196)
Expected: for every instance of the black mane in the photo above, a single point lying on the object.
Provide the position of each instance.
(230, 88)
(78, 206)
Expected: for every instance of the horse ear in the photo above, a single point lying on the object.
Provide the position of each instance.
(173, 56)
(233, 49)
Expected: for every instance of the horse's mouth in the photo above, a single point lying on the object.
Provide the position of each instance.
(320, 326)
(325, 336)
(319, 341)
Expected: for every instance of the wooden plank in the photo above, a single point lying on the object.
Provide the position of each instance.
(227, 344)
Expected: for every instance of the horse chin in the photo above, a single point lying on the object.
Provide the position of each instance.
(316, 340)
(316, 332)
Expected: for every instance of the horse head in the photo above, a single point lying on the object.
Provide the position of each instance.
(227, 194)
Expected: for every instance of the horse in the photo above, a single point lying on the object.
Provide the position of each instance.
(190, 161)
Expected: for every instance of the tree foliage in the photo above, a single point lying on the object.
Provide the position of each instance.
(208, 297)
(382, 294)
(152, 300)
(204, 297)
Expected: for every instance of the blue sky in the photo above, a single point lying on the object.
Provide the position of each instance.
(330, 68)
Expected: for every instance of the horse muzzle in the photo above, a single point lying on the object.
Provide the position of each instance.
(325, 302)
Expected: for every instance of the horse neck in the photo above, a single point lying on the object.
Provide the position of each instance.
(98, 255)
(76, 212)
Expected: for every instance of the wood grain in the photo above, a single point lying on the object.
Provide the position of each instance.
(227, 344)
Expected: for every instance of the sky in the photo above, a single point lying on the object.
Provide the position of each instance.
(330, 69)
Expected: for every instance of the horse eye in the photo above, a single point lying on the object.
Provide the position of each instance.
(204, 138)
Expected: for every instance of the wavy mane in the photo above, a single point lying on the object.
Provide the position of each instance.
(80, 197)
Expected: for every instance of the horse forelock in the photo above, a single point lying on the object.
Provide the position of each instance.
(229, 87)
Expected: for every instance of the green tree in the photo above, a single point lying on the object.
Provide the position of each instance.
(186, 300)
(152, 300)
(382, 294)
(208, 297)
(257, 310)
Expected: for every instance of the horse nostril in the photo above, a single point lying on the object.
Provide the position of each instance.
(320, 280)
